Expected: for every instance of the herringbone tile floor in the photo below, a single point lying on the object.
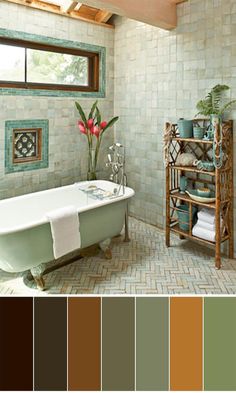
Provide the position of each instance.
(143, 266)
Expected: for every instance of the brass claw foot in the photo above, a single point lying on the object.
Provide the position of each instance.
(37, 273)
(106, 248)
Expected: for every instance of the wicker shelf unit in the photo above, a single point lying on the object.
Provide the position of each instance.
(220, 180)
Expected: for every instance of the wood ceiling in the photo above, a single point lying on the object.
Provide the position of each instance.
(161, 13)
(72, 8)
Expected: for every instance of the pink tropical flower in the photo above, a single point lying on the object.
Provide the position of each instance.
(91, 127)
(95, 131)
(82, 127)
(103, 124)
(90, 123)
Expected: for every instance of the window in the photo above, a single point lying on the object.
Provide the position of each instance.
(38, 66)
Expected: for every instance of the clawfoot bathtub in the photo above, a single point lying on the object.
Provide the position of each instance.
(25, 234)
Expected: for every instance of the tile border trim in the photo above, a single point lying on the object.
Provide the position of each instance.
(14, 34)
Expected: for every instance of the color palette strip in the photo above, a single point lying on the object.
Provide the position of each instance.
(118, 344)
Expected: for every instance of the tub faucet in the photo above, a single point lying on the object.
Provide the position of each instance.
(116, 161)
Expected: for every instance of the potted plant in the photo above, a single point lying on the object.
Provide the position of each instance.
(212, 105)
(94, 128)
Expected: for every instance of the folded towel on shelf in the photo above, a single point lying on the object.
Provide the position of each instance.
(207, 225)
(204, 233)
(65, 230)
(207, 215)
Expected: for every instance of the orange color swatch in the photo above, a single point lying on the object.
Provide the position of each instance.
(186, 344)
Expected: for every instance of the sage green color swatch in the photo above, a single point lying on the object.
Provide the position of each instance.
(152, 344)
(118, 344)
(220, 343)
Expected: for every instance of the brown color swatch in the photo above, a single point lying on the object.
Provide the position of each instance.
(84, 343)
(186, 344)
(16, 344)
(50, 348)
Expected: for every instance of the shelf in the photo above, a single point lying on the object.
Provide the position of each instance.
(192, 140)
(175, 228)
(221, 180)
(186, 198)
(191, 169)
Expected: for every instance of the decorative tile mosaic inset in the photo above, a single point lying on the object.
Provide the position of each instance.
(26, 145)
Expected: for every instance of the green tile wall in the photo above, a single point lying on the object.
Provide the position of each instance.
(67, 147)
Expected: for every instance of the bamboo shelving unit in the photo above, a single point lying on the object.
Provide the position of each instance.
(219, 180)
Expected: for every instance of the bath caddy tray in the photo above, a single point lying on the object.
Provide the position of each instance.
(96, 192)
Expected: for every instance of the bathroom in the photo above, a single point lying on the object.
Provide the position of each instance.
(149, 76)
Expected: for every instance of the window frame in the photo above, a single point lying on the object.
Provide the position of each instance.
(93, 67)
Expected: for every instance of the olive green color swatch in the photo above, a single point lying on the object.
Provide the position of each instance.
(118, 344)
(220, 343)
(152, 344)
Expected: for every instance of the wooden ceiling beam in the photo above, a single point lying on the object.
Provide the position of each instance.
(43, 6)
(74, 4)
(160, 13)
(178, 1)
(103, 16)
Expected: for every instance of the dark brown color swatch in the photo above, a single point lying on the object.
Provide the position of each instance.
(118, 344)
(186, 344)
(84, 343)
(16, 343)
(50, 348)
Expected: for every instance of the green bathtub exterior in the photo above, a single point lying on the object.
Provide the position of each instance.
(23, 250)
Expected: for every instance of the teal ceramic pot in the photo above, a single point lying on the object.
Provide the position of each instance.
(204, 192)
(198, 132)
(206, 166)
(185, 128)
(183, 216)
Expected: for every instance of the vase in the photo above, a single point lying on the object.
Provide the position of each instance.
(198, 132)
(184, 216)
(91, 173)
(183, 183)
(185, 128)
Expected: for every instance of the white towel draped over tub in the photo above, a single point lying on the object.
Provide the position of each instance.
(65, 230)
